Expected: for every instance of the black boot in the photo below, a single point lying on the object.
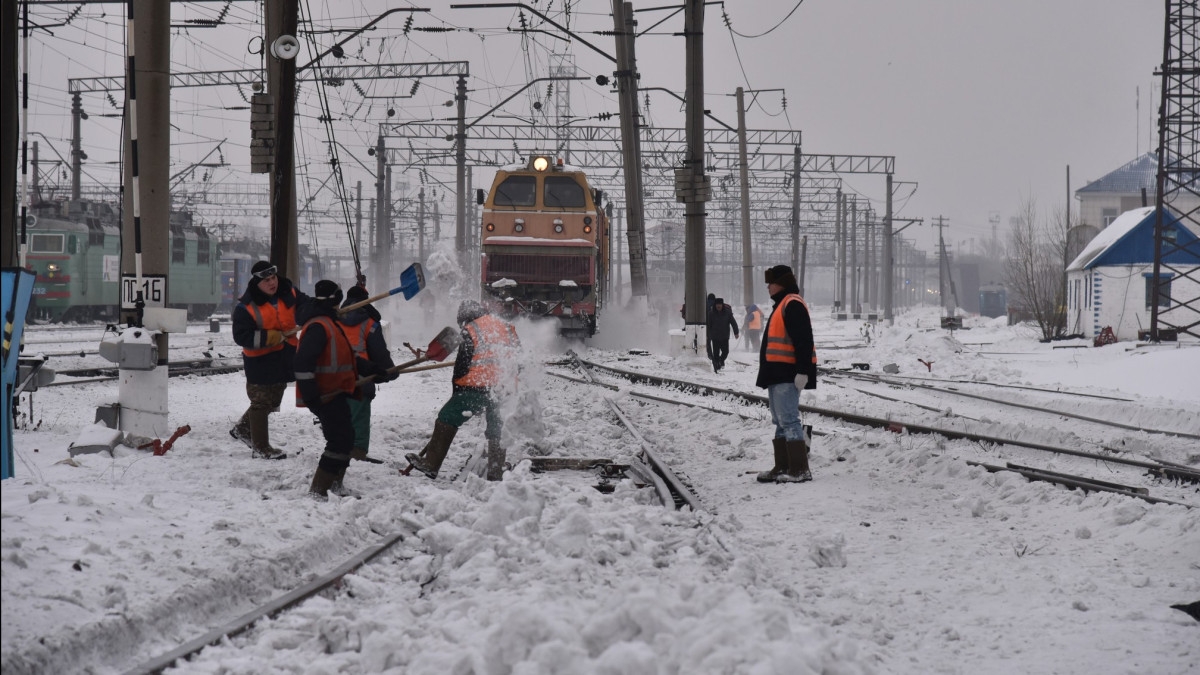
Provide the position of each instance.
(321, 482)
(495, 460)
(260, 432)
(780, 445)
(797, 471)
(431, 458)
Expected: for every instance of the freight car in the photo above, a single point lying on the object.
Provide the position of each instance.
(545, 246)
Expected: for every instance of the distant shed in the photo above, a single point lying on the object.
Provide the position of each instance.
(1110, 282)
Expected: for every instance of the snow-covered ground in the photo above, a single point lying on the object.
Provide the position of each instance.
(897, 558)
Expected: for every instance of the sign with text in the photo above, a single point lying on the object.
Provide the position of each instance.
(153, 288)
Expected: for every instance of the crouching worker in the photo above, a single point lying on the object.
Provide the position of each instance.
(327, 373)
(484, 368)
(366, 338)
(787, 365)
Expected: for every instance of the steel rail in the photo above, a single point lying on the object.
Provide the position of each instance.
(878, 422)
(1071, 481)
(860, 374)
(272, 608)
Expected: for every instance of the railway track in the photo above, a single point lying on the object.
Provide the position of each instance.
(1157, 471)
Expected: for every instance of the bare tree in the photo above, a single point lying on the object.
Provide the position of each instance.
(1034, 269)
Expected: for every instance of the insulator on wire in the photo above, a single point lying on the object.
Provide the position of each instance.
(413, 91)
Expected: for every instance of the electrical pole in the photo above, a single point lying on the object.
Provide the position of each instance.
(797, 258)
(77, 114)
(358, 218)
(854, 257)
(939, 223)
(281, 21)
(744, 179)
(380, 261)
(627, 92)
(8, 124)
(460, 162)
(888, 269)
(421, 225)
(690, 182)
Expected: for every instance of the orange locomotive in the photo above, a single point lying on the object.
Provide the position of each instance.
(545, 245)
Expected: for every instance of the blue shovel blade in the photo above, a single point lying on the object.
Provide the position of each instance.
(412, 280)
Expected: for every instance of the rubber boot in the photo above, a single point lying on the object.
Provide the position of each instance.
(321, 482)
(798, 471)
(781, 462)
(431, 458)
(339, 487)
(495, 460)
(259, 431)
(241, 430)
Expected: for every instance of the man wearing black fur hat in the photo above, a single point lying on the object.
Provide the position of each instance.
(787, 364)
(264, 325)
(720, 320)
(326, 367)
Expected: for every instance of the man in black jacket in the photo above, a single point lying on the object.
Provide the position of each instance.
(720, 320)
(787, 364)
(264, 326)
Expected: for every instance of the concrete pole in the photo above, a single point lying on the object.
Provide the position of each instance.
(358, 217)
(889, 274)
(76, 143)
(386, 238)
(803, 261)
(872, 280)
(421, 225)
(627, 91)
(854, 272)
(841, 254)
(281, 19)
(744, 177)
(8, 138)
(35, 193)
(797, 263)
(460, 162)
(693, 170)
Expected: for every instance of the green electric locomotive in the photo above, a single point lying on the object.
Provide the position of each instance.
(74, 248)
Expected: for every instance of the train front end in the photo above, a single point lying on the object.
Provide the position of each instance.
(544, 244)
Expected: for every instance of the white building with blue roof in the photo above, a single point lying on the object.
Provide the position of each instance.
(1110, 282)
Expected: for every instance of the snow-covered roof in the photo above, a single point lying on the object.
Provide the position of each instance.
(1131, 177)
(1123, 225)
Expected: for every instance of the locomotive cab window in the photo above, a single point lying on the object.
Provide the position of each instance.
(516, 191)
(563, 192)
(46, 243)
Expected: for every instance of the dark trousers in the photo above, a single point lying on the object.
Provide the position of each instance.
(471, 400)
(338, 429)
(720, 350)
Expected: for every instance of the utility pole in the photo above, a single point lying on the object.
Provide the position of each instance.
(8, 124)
(744, 179)
(797, 258)
(381, 261)
(854, 257)
(803, 261)
(421, 225)
(939, 223)
(888, 264)
(627, 92)
(77, 114)
(691, 184)
(358, 218)
(281, 21)
(460, 162)
(843, 218)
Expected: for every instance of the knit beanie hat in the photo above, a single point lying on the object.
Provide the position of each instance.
(328, 293)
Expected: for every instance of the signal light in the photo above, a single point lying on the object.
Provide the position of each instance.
(491, 227)
(540, 163)
(558, 229)
(587, 229)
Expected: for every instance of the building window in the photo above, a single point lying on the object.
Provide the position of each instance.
(1164, 290)
(46, 243)
(203, 247)
(1107, 216)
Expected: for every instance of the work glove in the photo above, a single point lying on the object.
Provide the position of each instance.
(274, 337)
(801, 381)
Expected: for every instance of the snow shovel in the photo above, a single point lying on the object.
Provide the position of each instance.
(442, 345)
(412, 280)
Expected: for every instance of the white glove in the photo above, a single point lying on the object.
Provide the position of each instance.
(801, 381)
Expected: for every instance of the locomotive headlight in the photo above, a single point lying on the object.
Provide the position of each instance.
(52, 267)
(519, 227)
(587, 229)
(587, 220)
(540, 163)
(558, 225)
(491, 227)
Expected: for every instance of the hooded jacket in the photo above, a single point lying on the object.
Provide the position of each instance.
(798, 325)
(374, 348)
(274, 367)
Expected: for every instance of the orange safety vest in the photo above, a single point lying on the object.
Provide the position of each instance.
(755, 321)
(358, 337)
(494, 339)
(272, 316)
(780, 348)
(335, 370)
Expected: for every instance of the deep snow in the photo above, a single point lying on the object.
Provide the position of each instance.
(898, 558)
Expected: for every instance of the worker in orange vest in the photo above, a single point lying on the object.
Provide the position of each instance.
(787, 365)
(753, 323)
(483, 370)
(364, 329)
(263, 322)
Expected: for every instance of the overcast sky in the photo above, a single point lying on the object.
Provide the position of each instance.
(983, 104)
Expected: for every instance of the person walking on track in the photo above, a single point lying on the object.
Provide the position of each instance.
(720, 321)
(327, 374)
(264, 324)
(787, 365)
(753, 324)
(484, 368)
(366, 339)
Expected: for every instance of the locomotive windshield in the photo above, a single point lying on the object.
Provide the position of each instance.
(563, 192)
(516, 191)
